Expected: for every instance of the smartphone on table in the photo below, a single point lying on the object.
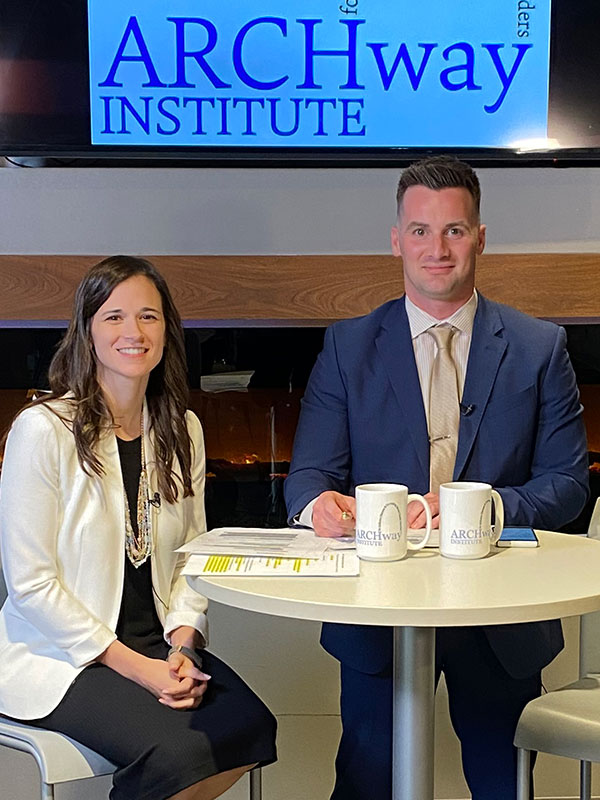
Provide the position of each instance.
(518, 537)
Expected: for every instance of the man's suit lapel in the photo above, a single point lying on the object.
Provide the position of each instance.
(485, 355)
(395, 348)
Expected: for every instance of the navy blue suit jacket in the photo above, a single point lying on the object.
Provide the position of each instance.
(363, 421)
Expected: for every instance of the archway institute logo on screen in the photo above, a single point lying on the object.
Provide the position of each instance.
(325, 73)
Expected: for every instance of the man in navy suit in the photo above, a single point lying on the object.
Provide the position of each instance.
(365, 419)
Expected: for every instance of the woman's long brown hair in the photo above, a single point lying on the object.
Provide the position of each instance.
(73, 371)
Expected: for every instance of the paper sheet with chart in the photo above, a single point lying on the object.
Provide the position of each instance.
(340, 563)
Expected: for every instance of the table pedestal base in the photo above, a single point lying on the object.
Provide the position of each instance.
(414, 690)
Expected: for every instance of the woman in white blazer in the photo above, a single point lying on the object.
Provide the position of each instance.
(102, 479)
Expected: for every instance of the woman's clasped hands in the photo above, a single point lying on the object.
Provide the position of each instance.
(177, 682)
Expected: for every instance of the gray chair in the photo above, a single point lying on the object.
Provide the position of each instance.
(61, 759)
(566, 722)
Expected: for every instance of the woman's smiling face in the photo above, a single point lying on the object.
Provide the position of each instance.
(128, 331)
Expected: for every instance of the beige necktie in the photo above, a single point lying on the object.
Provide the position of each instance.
(444, 416)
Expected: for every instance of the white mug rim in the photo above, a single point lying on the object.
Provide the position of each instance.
(458, 486)
(380, 488)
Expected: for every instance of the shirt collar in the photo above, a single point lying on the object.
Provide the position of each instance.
(420, 321)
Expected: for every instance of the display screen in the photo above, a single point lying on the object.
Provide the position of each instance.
(300, 76)
(355, 73)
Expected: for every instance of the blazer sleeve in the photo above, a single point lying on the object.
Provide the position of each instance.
(31, 511)
(186, 606)
(558, 486)
(321, 458)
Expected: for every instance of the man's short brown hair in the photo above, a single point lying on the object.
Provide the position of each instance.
(440, 172)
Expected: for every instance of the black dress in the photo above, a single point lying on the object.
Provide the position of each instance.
(159, 750)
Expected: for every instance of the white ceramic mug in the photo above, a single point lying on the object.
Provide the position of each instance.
(381, 525)
(466, 519)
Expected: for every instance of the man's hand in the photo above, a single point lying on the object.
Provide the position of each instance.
(416, 515)
(334, 514)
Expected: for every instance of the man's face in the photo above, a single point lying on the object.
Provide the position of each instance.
(438, 237)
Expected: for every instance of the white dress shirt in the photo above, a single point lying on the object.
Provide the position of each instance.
(425, 349)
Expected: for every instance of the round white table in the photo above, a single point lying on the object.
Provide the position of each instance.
(418, 594)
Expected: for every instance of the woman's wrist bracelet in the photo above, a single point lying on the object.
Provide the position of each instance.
(193, 655)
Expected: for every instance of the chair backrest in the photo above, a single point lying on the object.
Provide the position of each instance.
(3, 591)
(589, 643)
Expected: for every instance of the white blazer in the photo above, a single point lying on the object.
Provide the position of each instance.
(62, 536)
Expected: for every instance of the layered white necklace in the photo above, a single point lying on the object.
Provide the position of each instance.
(139, 546)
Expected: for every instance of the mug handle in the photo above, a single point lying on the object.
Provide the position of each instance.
(420, 499)
(499, 514)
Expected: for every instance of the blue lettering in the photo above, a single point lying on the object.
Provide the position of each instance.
(162, 110)
(198, 55)
(143, 56)
(346, 117)
(310, 53)
(468, 68)
(320, 102)
(106, 103)
(506, 80)
(237, 54)
(224, 130)
(414, 76)
(248, 102)
(199, 101)
(143, 121)
(274, 102)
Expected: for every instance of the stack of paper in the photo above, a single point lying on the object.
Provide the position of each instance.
(226, 381)
(288, 542)
(268, 551)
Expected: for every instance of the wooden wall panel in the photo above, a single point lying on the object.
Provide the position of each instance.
(303, 289)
